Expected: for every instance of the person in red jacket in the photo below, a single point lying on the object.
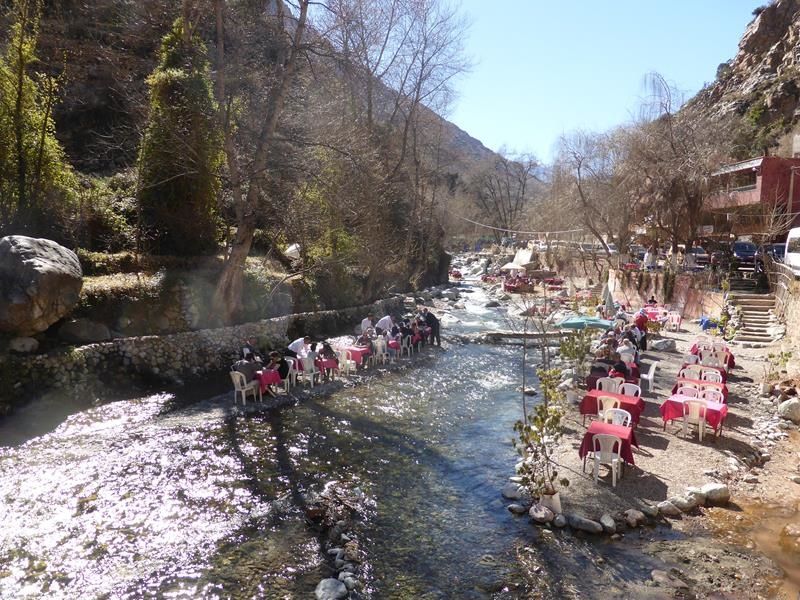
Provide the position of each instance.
(640, 320)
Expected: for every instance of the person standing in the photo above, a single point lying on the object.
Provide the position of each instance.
(299, 347)
(432, 322)
(367, 323)
(385, 323)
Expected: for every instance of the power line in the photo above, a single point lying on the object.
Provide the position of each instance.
(484, 225)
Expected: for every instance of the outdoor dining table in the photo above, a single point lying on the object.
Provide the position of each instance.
(267, 377)
(715, 412)
(633, 376)
(721, 370)
(633, 404)
(626, 434)
(695, 349)
(707, 384)
(358, 353)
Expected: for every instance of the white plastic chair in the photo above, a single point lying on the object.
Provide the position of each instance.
(310, 371)
(604, 454)
(691, 359)
(649, 377)
(605, 403)
(688, 390)
(712, 376)
(674, 321)
(710, 395)
(608, 384)
(694, 413)
(617, 416)
(244, 387)
(405, 346)
(719, 347)
(346, 362)
(381, 351)
(291, 376)
(710, 359)
(627, 357)
(630, 389)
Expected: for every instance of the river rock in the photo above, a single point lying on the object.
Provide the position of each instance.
(790, 538)
(512, 491)
(698, 494)
(84, 331)
(330, 589)
(717, 494)
(607, 521)
(790, 409)
(23, 345)
(541, 514)
(634, 518)
(584, 524)
(668, 509)
(662, 344)
(492, 304)
(650, 510)
(517, 509)
(560, 521)
(684, 503)
(40, 282)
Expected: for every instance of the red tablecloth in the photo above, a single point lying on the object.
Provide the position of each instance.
(358, 353)
(268, 377)
(719, 370)
(717, 386)
(633, 376)
(673, 409)
(394, 344)
(626, 434)
(326, 363)
(731, 359)
(655, 313)
(633, 404)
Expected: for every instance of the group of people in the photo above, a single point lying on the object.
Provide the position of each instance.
(424, 327)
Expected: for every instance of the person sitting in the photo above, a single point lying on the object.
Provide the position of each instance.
(250, 347)
(652, 301)
(279, 364)
(641, 319)
(368, 322)
(365, 341)
(620, 369)
(327, 353)
(247, 366)
(312, 352)
(298, 348)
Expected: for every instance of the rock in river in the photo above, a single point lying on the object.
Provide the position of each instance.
(717, 494)
(607, 521)
(584, 524)
(541, 514)
(668, 509)
(790, 409)
(634, 518)
(330, 589)
(512, 491)
(40, 282)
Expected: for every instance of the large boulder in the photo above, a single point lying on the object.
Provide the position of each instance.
(717, 494)
(584, 524)
(40, 282)
(790, 409)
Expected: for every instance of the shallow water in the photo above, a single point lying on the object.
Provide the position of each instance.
(155, 498)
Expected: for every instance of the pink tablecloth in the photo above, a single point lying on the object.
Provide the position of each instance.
(394, 344)
(706, 384)
(655, 313)
(626, 434)
(268, 377)
(359, 353)
(633, 404)
(719, 370)
(673, 409)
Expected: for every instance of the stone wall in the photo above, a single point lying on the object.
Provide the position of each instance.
(167, 357)
(688, 293)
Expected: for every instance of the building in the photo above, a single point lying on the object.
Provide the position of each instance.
(751, 196)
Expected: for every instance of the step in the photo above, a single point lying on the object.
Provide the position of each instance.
(749, 337)
(752, 301)
(756, 296)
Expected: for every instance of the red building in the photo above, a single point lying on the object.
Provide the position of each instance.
(747, 190)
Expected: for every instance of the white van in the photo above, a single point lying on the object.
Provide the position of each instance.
(792, 257)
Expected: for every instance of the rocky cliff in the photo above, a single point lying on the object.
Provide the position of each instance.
(758, 89)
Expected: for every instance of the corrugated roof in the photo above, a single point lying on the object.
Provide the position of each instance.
(744, 165)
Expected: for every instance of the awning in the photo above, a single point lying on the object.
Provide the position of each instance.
(585, 323)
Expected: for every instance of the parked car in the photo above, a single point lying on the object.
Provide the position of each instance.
(638, 251)
(701, 257)
(775, 251)
(744, 253)
(792, 252)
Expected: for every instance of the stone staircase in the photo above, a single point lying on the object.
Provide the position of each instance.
(759, 327)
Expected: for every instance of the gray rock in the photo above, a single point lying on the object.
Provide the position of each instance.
(560, 521)
(662, 344)
(84, 331)
(492, 304)
(668, 509)
(790, 409)
(512, 491)
(40, 282)
(607, 521)
(717, 494)
(795, 478)
(635, 518)
(330, 589)
(584, 524)
(684, 503)
(23, 345)
(541, 514)
(699, 495)
(517, 509)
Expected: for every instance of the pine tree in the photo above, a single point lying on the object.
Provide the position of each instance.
(181, 154)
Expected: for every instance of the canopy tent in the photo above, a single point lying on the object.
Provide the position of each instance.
(584, 323)
(512, 267)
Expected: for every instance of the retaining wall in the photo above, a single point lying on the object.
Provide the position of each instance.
(167, 357)
(690, 294)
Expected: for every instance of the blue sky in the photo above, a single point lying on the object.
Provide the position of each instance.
(546, 67)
